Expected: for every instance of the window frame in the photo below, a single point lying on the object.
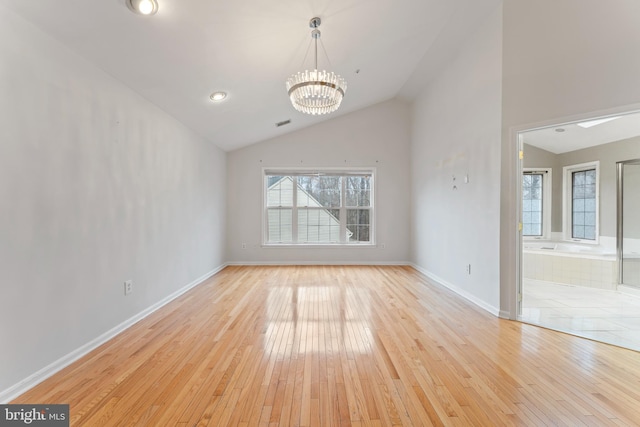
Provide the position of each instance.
(547, 188)
(567, 201)
(270, 171)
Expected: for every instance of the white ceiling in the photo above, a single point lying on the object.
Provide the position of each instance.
(247, 48)
(570, 137)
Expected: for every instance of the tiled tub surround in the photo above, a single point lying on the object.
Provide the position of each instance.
(631, 268)
(570, 264)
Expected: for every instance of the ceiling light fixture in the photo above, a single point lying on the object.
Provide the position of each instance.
(316, 92)
(218, 96)
(143, 7)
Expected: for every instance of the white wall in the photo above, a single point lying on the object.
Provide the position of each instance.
(568, 59)
(374, 137)
(97, 186)
(455, 132)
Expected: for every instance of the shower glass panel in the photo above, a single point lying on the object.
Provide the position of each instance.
(629, 222)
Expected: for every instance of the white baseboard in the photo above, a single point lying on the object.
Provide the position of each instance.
(46, 372)
(466, 295)
(504, 314)
(257, 263)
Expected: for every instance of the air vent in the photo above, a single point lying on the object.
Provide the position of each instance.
(285, 122)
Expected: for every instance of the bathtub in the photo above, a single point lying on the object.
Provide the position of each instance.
(570, 263)
(568, 249)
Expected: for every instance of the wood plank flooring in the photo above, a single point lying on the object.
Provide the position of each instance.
(341, 346)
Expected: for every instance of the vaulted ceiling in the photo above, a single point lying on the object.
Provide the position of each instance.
(247, 48)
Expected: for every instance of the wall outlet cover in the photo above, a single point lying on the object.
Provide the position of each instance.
(128, 287)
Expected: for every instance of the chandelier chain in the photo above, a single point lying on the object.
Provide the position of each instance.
(325, 54)
(306, 54)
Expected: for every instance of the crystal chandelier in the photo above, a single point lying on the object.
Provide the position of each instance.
(316, 92)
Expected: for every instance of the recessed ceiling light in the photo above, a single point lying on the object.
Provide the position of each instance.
(596, 122)
(560, 130)
(143, 7)
(218, 96)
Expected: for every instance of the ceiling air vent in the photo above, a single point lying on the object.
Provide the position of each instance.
(285, 122)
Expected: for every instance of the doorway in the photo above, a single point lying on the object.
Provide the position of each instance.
(580, 228)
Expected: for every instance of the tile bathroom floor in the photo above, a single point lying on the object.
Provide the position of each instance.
(608, 316)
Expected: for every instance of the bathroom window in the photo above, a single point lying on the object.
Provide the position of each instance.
(536, 203)
(329, 207)
(581, 201)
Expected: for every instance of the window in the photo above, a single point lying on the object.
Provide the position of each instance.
(536, 203)
(319, 207)
(581, 200)
(532, 204)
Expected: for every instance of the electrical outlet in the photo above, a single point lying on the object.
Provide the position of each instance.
(128, 287)
(384, 245)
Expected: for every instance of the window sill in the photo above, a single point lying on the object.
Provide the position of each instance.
(319, 245)
(582, 241)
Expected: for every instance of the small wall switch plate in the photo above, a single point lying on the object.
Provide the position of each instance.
(244, 246)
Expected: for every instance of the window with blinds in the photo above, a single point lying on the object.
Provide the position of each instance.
(327, 207)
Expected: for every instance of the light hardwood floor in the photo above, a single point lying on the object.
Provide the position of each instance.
(328, 345)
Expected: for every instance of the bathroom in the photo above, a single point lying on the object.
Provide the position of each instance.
(581, 228)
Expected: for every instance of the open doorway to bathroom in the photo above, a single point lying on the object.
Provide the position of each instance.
(580, 185)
